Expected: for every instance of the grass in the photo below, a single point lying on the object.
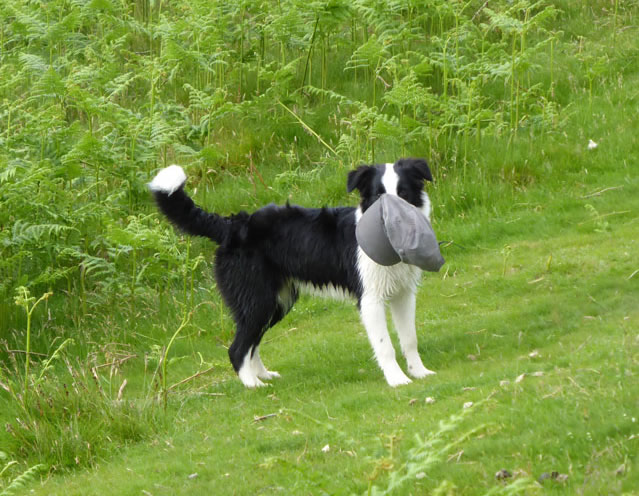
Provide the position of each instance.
(533, 319)
(575, 322)
(543, 341)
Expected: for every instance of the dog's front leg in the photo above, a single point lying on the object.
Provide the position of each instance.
(403, 311)
(374, 319)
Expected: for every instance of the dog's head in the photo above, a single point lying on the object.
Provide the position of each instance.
(405, 178)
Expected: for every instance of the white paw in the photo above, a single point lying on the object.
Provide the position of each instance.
(418, 371)
(396, 378)
(267, 375)
(248, 376)
(253, 383)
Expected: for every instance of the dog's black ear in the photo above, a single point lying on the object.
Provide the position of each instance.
(417, 165)
(358, 178)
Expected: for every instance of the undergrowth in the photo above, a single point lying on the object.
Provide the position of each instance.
(98, 95)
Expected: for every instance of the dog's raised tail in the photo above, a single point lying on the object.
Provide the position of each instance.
(168, 189)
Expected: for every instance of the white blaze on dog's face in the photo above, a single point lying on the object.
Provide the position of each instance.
(390, 179)
(405, 178)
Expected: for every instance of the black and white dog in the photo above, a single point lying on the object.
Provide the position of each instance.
(265, 259)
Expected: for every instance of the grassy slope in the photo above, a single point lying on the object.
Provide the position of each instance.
(546, 269)
(541, 272)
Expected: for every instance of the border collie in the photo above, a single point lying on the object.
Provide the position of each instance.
(264, 260)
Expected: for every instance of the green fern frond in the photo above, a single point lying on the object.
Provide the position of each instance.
(368, 54)
(24, 232)
(33, 63)
(8, 173)
(50, 84)
(22, 480)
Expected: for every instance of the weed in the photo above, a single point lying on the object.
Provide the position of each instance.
(183, 324)
(20, 481)
(29, 303)
(433, 450)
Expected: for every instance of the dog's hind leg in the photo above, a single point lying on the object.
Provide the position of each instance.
(243, 352)
(374, 319)
(286, 298)
(242, 360)
(261, 313)
(403, 311)
(260, 369)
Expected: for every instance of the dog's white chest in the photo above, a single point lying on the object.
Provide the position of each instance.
(386, 281)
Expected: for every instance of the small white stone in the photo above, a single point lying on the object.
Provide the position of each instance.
(326, 448)
(430, 400)
(468, 404)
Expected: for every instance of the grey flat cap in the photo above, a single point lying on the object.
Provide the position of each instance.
(392, 231)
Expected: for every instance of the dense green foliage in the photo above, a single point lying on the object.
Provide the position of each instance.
(99, 94)
(274, 101)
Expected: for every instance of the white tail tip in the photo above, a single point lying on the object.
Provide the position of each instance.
(168, 180)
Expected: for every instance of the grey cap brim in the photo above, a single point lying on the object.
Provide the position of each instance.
(393, 230)
(371, 236)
